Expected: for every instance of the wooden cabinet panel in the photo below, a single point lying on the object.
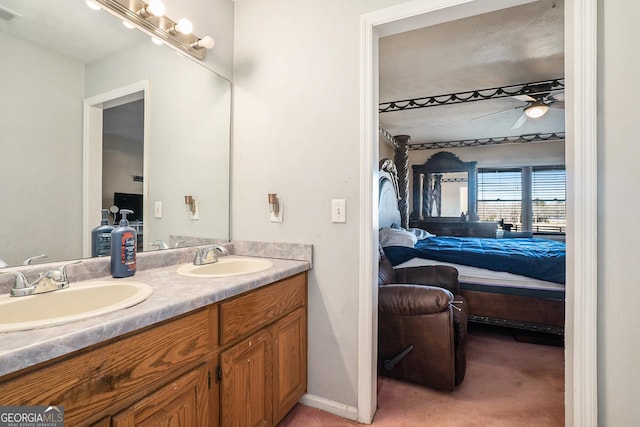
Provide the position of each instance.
(289, 337)
(181, 403)
(246, 383)
(251, 311)
(97, 383)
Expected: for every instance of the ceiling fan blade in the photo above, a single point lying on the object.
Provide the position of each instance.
(557, 97)
(524, 98)
(521, 120)
(494, 113)
(557, 105)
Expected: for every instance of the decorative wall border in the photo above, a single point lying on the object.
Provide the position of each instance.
(500, 140)
(543, 87)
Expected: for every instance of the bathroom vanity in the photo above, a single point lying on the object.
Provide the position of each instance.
(199, 351)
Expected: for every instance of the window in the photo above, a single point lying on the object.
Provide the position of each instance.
(549, 202)
(500, 197)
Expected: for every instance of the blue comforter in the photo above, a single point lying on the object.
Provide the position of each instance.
(538, 258)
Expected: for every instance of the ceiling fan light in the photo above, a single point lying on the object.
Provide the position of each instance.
(536, 110)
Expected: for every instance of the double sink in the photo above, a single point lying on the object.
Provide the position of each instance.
(84, 300)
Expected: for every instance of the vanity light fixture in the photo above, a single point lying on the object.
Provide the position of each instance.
(184, 26)
(274, 205)
(153, 8)
(149, 17)
(191, 204)
(536, 110)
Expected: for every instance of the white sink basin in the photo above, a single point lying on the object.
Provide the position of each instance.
(77, 302)
(225, 267)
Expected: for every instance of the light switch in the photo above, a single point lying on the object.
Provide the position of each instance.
(157, 213)
(338, 210)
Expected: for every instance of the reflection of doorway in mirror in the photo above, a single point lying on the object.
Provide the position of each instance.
(115, 155)
(123, 161)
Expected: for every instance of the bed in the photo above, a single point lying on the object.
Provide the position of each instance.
(510, 282)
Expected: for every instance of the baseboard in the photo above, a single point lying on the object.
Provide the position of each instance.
(331, 406)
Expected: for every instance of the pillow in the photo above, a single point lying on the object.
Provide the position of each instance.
(420, 233)
(396, 237)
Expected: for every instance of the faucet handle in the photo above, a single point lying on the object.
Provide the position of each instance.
(63, 271)
(21, 284)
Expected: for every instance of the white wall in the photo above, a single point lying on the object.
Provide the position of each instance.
(296, 133)
(40, 153)
(619, 204)
(189, 136)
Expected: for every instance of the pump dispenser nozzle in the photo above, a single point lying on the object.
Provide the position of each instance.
(124, 213)
(105, 217)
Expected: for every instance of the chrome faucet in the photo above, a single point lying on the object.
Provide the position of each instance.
(160, 244)
(208, 255)
(29, 261)
(52, 280)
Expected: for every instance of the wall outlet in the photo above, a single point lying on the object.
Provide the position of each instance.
(157, 209)
(338, 210)
(280, 216)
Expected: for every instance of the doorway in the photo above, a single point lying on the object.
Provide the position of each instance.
(115, 156)
(581, 67)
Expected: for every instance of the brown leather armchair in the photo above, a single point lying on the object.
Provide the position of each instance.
(422, 325)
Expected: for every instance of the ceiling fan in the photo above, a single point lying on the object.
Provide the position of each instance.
(539, 100)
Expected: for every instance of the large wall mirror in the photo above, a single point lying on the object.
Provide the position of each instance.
(444, 187)
(94, 115)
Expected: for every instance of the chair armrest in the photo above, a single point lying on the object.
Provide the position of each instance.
(442, 276)
(412, 300)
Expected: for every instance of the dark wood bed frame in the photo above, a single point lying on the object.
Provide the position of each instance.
(533, 313)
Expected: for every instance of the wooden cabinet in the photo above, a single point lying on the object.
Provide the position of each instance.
(181, 403)
(102, 380)
(265, 374)
(246, 383)
(289, 337)
(240, 362)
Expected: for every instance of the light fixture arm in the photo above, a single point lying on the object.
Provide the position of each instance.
(161, 27)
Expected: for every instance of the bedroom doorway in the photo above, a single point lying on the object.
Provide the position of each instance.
(580, 23)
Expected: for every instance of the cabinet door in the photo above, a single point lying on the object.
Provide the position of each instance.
(246, 383)
(183, 402)
(289, 337)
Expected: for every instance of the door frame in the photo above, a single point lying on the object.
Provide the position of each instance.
(92, 154)
(581, 402)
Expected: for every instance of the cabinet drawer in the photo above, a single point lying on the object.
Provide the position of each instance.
(93, 384)
(252, 311)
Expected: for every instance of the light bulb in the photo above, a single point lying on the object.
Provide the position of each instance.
(536, 110)
(92, 5)
(184, 26)
(155, 8)
(206, 42)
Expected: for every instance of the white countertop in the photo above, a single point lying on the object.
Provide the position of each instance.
(172, 296)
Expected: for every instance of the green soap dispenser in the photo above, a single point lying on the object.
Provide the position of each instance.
(123, 248)
(101, 237)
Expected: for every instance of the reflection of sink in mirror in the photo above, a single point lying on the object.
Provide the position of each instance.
(226, 266)
(79, 301)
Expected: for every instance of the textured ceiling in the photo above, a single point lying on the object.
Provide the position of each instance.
(511, 46)
(68, 27)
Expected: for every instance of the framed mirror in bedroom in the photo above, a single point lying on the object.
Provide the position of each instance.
(445, 198)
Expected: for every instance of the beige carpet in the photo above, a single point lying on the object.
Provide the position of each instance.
(508, 383)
